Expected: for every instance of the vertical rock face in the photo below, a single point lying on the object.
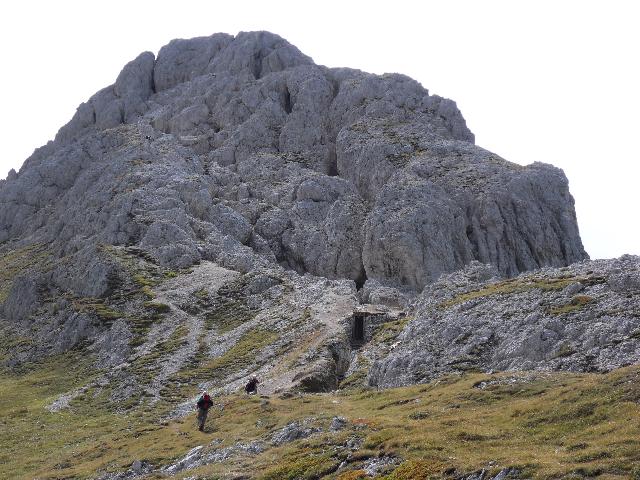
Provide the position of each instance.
(225, 144)
(454, 203)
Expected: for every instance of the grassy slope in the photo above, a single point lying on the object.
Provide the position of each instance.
(549, 427)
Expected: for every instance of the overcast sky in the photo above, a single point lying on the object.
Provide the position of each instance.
(551, 81)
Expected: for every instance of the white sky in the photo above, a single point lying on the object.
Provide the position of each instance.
(552, 81)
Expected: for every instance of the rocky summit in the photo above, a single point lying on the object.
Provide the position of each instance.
(229, 209)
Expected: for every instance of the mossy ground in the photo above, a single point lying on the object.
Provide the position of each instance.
(576, 303)
(548, 426)
(97, 307)
(144, 367)
(389, 331)
(18, 261)
(227, 309)
(237, 357)
(522, 284)
(553, 426)
(139, 275)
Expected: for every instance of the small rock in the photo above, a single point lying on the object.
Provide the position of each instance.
(573, 288)
(136, 466)
(505, 473)
(338, 423)
(190, 460)
(378, 465)
(291, 432)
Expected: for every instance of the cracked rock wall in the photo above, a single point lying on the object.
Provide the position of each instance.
(224, 144)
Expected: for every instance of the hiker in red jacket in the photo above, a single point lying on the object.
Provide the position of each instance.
(203, 405)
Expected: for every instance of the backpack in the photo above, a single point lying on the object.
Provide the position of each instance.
(205, 402)
(251, 386)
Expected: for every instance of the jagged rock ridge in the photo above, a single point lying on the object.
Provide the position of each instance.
(334, 172)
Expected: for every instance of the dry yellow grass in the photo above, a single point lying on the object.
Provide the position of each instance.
(517, 285)
(547, 426)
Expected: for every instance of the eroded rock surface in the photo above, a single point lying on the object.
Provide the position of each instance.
(585, 318)
(223, 142)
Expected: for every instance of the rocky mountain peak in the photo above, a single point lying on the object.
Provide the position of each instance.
(335, 172)
(273, 185)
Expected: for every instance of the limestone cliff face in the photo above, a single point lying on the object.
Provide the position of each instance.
(226, 208)
(227, 142)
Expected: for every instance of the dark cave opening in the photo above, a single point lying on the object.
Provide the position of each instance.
(287, 101)
(361, 279)
(332, 163)
(357, 331)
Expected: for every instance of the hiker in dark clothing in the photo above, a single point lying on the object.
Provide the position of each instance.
(203, 405)
(252, 386)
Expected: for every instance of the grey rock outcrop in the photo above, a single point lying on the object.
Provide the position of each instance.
(292, 432)
(456, 203)
(579, 318)
(334, 172)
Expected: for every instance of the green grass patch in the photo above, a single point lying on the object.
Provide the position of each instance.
(358, 378)
(241, 355)
(97, 307)
(519, 285)
(144, 281)
(202, 294)
(418, 470)
(140, 326)
(157, 307)
(388, 332)
(305, 465)
(564, 350)
(575, 304)
(228, 315)
(145, 366)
